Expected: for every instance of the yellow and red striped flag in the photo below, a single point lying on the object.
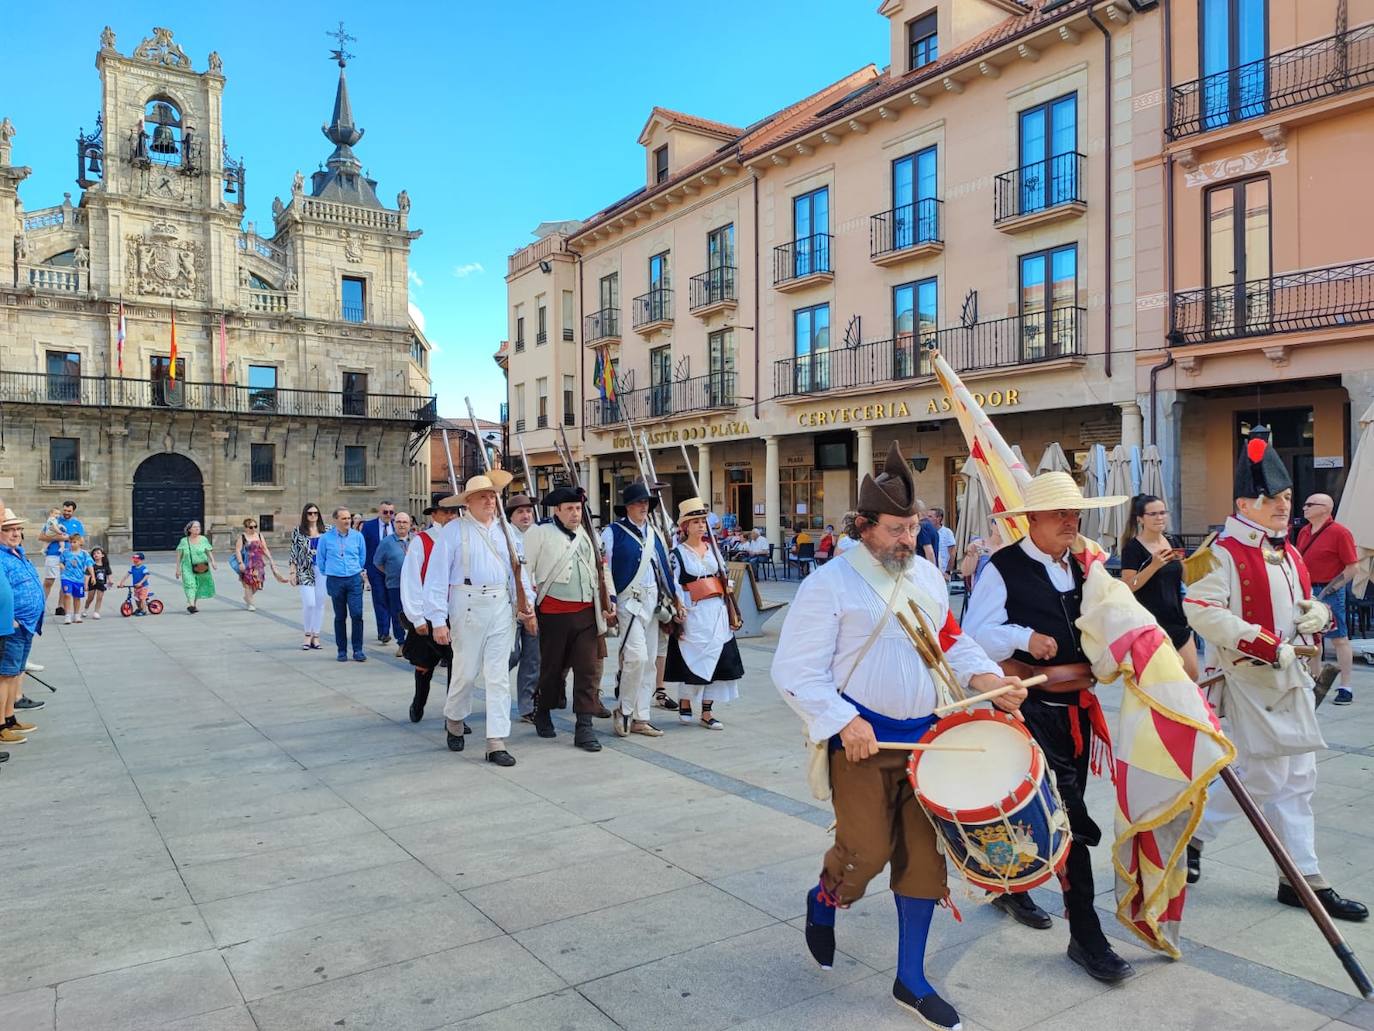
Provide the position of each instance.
(1168, 742)
(172, 361)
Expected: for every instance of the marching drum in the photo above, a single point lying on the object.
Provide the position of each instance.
(998, 812)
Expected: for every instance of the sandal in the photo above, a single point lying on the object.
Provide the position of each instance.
(708, 720)
(662, 700)
(684, 715)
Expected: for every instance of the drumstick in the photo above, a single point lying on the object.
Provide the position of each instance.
(932, 747)
(996, 692)
(1306, 651)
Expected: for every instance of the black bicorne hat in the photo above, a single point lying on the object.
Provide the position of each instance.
(1260, 471)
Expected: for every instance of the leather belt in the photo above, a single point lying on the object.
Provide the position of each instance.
(1065, 678)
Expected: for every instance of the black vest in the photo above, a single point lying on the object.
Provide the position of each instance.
(1034, 601)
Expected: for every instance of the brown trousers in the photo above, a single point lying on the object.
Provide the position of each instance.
(878, 821)
(568, 640)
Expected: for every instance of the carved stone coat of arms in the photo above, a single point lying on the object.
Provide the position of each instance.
(161, 265)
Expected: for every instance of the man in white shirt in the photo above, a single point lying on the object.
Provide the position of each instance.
(420, 650)
(525, 656)
(478, 596)
(944, 553)
(1024, 614)
(852, 675)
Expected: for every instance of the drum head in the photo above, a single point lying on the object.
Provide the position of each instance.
(972, 780)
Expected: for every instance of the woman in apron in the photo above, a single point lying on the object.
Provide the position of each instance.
(703, 658)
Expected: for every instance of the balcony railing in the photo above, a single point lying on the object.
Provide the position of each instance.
(541, 337)
(541, 422)
(1039, 186)
(804, 256)
(113, 392)
(698, 394)
(58, 278)
(519, 345)
(653, 308)
(353, 313)
(519, 425)
(64, 470)
(714, 286)
(904, 227)
(601, 325)
(569, 417)
(1340, 295)
(1314, 70)
(266, 474)
(1002, 343)
(567, 333)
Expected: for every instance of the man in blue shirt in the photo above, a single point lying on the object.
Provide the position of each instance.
(28, 600)
(928, 537)
(56, 536)
(342, 558)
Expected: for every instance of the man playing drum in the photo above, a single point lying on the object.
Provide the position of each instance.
(1024, 614)
(847, 667)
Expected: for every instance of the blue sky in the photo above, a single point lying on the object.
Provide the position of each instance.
(494, 117)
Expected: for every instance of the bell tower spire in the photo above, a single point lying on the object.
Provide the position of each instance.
(342, 178)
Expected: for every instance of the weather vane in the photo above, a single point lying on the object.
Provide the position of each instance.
(341, 55)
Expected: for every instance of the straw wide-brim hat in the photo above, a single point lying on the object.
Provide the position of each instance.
(10, 519)
(1052, 491)
(497, 480)
(692, 508)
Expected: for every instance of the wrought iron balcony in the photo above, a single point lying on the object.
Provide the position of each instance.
(698, 394)
(1040, 191)
(541, 338)
(1322, 68)
(713, 290)
(114, 392)
(653, 311)
(541, 422)
(1340, 295)
(601, 326)
(803, 261)
(906, 231)
(1019, 340)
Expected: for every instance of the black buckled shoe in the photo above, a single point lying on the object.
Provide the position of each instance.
(1022, 908)
(501, 757)
(1339, 908)
(455, 741)
(820, 938)
(1101, 964)
(1194, 864)
(584, 737)
(543, 723)
(932, 1009)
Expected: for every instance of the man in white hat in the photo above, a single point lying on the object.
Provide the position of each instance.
(478, 598)
(1025, 614)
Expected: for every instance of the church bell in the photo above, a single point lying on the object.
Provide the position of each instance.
(163, 140)
(93, 165)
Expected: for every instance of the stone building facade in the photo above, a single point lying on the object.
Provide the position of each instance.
(300, 374)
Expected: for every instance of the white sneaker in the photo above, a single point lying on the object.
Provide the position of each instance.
(67, 621)
(95, 615)
(80, 619)
(252, 607)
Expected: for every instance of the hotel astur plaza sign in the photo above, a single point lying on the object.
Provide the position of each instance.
(689, 434)
(877, 411)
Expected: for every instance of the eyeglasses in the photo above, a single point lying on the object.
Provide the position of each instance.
(1314, 504)
(250, 526)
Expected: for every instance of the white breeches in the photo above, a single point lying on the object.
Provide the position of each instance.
(639, 640)
(483, 629)
(1282, 787)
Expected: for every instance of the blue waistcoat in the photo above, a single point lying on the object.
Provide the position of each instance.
(625, 554)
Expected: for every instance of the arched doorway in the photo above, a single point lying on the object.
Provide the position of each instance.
(168, 494)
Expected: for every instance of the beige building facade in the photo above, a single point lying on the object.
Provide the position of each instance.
(300, 374)
(768, 297)
(1261, 306)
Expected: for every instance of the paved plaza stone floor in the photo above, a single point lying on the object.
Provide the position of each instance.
(214, 830)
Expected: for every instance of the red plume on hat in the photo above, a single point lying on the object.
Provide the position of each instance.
(1260, 471)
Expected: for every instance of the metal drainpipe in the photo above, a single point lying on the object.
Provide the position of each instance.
(758, 335)
(1155, 370)
(1107, 231)
(582, 346)
(1168, 167)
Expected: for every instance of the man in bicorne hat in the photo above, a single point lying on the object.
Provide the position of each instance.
(562, 562)
(1025, 615)
(472, 583)
(420, 650)
(855, 678)
(1252, 606)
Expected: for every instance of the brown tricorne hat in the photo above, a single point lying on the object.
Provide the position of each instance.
(892, 491)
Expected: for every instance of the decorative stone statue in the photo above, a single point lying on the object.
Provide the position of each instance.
(81, 258)
(289, 280)
(297, 184)
(216, 65)
(7, 133)
(107, 38)
(277, 207)
(403, 201)
(21, 246)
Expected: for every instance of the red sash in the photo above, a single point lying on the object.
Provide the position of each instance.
(427, 543)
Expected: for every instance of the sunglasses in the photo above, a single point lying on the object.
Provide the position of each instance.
(250, 526)
(313, 512)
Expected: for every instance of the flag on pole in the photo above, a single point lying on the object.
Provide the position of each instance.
(603, 376)
(223, 353)
(1168, 743)
(120, 334)
(172, 362)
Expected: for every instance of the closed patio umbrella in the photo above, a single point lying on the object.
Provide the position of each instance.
(1094, 477)
(1054, 460)
(1118, 482)
(974, 511)
(1152, 472)
(1357, 502)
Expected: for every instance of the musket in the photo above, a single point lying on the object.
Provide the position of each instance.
(530, 487)
(522, 602)
(452, 479)
(731, 606)
(570, 467)
(652, 481)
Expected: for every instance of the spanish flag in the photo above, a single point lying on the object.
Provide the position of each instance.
(172, 363)
(1168, 745)
(603, 376)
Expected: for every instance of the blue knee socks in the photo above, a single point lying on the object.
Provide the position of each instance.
(913, 927)
(819, 913)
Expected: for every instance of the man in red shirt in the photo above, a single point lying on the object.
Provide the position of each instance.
(1328, 549)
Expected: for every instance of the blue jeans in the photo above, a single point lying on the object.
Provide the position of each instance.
(393, 598)
(346, 592)
(382, 609)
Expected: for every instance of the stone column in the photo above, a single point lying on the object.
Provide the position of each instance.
(772, 493)
(1169, 412)
(594, 483)
(216, 490)
(704, 472)
(865, 452)
(120, 535)
(1132, 426)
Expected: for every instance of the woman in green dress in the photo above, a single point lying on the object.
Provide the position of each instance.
(195, 566)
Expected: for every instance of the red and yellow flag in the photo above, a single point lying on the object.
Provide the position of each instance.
(1168, 743)
(172, 363)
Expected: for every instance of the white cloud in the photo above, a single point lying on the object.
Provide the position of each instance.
(414, 277)
(470, 269)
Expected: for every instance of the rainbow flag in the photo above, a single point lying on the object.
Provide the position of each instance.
(603, 376)
(1168, 745)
